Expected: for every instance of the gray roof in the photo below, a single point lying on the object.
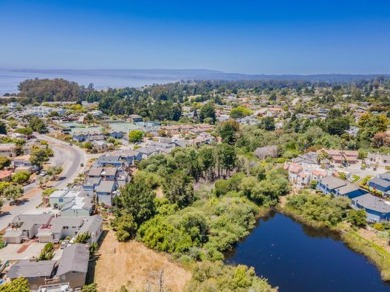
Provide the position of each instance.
(57, 224)
(385, 176)
(349, 188)
(29, 220)
(333, 182)
(74, 259)
(105, 187)
(33, 269)
(371, 202)
(109, 158)
(380, 182)
(110, 171)
(91, 224)
(91, 181)
(95, 171)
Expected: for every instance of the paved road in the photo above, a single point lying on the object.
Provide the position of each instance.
(69, 157)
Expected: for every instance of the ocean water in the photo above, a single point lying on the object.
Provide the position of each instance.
(102, 79)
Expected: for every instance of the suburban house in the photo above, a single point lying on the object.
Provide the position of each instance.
(110, 160)
(69, 272)
(81, 206)
(72, 202)
(94, 226)
(104, 192)
(73, 265)
(130, 156)
(8, 150)
(62, 227)
(36, 273)
(61, 197)
(59, 228)
(25, 226)
(343, 156)
(22, 161)
(376, 208)
(331, 185)
(101, 146)
(109, 173)
(90, 184)
(378, 160)
(381, 183)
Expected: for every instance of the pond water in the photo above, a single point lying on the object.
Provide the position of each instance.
(296, 258)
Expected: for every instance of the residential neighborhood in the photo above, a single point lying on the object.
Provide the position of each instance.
(77, 177)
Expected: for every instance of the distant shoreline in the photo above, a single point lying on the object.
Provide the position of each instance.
(137, 78)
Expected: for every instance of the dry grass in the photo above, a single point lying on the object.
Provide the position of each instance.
(133, 265)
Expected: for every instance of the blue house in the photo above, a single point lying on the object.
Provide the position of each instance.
(110, 160)
(381, 183)
(331, 185)
(377, 209)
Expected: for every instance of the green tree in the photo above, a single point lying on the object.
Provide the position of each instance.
(137, 199)
(13, 192)
(88, 145)
(3, 186)
(371, 124)
(90, 288)
(18, 285)
(240, 112)
(227, 157)
(4, 162)
(39, 156)
(37, 124)
(208, 111)
(179, 189)
(267, 123)
(24, 131)
(47, 252)
(124, 226)
(136, 136)
(357, 218)
(337, 126)
(21, 177)
(229, 130)
(83, 238)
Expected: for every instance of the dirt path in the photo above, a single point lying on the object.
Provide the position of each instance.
(133, 265)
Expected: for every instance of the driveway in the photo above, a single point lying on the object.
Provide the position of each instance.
(10, 252)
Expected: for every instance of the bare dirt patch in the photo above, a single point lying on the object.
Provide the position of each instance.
(135, 266)
(372, 236)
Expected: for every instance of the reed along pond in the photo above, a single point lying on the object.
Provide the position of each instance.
(296, 258)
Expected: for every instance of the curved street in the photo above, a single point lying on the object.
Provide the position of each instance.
(68, 157)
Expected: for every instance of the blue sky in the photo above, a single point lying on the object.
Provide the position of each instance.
(246, 36)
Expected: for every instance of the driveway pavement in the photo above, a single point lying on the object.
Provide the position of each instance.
(10, 252)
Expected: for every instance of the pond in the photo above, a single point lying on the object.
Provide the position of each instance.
(296, 258)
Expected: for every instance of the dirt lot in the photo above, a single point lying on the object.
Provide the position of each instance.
(135, 266)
